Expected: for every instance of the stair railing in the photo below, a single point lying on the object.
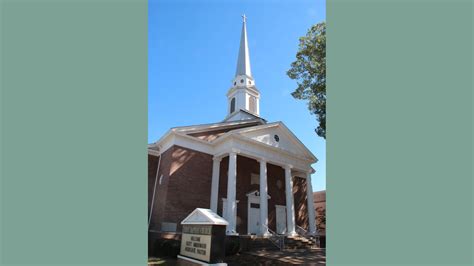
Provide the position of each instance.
(276, 239)
(303, 232)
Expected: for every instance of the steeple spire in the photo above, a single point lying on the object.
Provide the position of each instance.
(243, 61)
(243, 96)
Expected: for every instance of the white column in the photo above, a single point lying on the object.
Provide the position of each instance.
(215, 183)
(263, 199)
(290, 207)
(231, 186)
(311, 211)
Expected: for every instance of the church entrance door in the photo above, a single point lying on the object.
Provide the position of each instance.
(254, 218)
(253, 225)
(280, 219)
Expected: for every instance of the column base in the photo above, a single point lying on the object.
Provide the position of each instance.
(291, 234)
(231, 233)
(266, 234)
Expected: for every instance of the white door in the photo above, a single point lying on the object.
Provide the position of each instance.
(254, 218)
(280, 219)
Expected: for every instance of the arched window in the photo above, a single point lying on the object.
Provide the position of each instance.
(252, 104)
(232, 105)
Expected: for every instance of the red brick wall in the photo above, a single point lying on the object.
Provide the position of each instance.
(275, 174)
(152, 167)
(301, 204)
(161, 189)
(223, 184)
(186, 185)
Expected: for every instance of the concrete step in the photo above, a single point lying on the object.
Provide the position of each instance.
(261, 244)
(299, 242)
(291, 243)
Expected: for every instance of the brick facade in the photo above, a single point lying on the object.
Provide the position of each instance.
(186, 185)
(301, 203)
(161, 189)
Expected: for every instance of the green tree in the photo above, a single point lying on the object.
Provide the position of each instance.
(309, 71)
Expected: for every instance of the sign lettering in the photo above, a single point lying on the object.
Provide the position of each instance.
(197, 229)
(196, 242)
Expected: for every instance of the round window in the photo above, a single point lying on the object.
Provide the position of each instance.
(276, 138)
(235, 83)
(241, 81)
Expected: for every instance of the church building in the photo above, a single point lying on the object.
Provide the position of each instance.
(254, 173)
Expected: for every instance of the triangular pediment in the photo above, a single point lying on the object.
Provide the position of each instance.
(204, 216)
(279, 136)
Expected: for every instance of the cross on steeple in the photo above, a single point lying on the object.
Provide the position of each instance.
(244, 18)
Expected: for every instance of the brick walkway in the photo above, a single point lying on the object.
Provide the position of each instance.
(290, 257)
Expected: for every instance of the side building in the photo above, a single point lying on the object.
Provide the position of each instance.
(320, 208)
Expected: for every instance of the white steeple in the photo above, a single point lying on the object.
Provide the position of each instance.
(243, 96)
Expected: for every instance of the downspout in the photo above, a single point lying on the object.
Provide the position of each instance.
(154, 188)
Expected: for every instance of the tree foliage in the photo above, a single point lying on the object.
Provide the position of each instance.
(309, 70)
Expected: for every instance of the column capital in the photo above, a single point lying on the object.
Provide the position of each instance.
(217, 159)
(234, 150)
(262, 160)
(288, 166)
(232, 154)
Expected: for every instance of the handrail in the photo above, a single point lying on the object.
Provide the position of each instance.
(307, 234)
(270, 230)
(280, 242)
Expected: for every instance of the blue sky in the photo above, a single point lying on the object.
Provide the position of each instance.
(192, 56)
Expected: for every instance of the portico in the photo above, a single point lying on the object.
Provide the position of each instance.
(264, 155)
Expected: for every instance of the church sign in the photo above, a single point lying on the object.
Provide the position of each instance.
(196, 241)
(203, 237)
